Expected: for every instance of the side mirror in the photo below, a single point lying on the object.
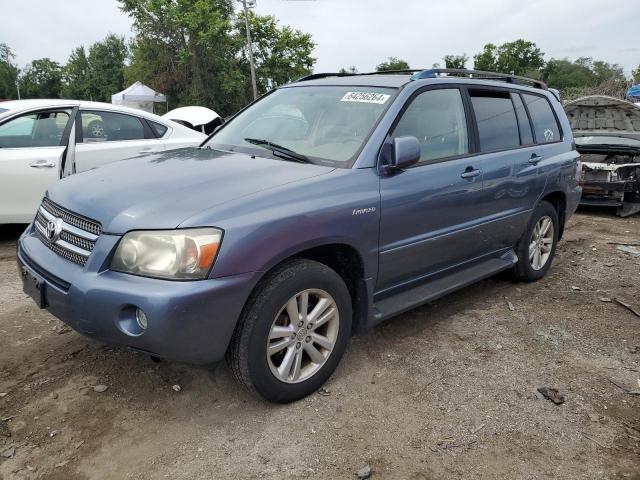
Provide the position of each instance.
(402, 153)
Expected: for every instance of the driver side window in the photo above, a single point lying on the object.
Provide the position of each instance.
(437, 119)
(42, 129)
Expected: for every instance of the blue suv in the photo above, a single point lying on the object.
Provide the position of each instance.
(330, 204)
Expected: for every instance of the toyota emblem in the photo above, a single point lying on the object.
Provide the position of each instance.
(54, 227)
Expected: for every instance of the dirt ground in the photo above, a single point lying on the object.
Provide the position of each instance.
(445, 391)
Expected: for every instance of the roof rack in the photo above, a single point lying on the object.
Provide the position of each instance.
(315, 76)
(480, 75)
(420, 74)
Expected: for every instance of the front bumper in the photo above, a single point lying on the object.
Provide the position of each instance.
(190, 321)
(603, 193)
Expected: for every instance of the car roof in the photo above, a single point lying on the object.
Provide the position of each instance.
(400, 78)
(37, 103)
(11, 107)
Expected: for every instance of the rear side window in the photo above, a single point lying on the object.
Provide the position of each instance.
(496, 120)
(436, 118)
(98, 126)
(158, 129)
(526, 136)
(544, 121)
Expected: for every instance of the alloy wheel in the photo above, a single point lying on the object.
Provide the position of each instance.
(541, 243)
(303, 335)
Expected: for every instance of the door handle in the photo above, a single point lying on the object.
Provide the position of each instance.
(42, 164)
(470, 173)
(535, 158)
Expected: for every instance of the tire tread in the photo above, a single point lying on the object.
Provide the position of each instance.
(238, 351)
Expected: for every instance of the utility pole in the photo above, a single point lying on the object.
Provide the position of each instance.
(250, 48)
(18, 87)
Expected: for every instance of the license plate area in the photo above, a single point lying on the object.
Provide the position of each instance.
(34, 286)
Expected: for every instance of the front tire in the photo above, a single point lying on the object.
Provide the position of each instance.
(537, 246)
(293, 331)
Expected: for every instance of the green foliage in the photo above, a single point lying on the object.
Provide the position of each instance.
(106, 64)
(41, 79)
(281, 54)
(456, 61)
(393, 63)
(519, 57)
(635, 75)
(487, 59)
(195, 52)
(8, 73)
(583, 72)
(352, 69)
(605, 72)
(75, 76)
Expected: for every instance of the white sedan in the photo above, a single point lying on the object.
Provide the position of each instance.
(42, 141)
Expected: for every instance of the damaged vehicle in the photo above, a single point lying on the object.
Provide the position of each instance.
(607, 135)
(332, 203)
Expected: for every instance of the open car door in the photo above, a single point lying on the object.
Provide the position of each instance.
(32, 152)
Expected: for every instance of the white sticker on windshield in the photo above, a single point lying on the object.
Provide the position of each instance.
(365, 97)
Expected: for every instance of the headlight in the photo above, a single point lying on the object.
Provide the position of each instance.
(174, 254)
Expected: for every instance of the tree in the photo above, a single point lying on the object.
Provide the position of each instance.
(195, 51)
(487, 59)
(607, 72)
(456, 61)
(76, 76)
(99, 74)
(8, 73)
(562, 74)
(281, 54)
(519, 58)
(187, 50)
(584, 72)
(352, 70)
(393, 63)
(41, 79)
(635, 75)
(106, 61)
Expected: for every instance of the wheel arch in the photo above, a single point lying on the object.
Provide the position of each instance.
(558, 199)
(346, 261)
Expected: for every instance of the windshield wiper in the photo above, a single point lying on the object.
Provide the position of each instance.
(279, 150)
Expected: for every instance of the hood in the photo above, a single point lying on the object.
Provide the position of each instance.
(160, 191)
(194, 115)
(602, 115)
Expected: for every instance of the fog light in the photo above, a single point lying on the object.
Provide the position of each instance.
(141, 318)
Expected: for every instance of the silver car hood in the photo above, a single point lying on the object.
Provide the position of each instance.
(601, 115)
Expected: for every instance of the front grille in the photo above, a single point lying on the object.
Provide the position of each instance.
(71, 218)
(73, 237)
(77, 241)
(71, 256)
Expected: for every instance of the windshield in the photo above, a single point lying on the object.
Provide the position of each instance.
(325, 124)
(607, 140)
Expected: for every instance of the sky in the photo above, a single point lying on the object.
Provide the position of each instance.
(364, 33)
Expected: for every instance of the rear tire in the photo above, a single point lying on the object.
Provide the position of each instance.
(537, 246)
(292, 332)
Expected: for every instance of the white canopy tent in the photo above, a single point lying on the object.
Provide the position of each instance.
(138, 96)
